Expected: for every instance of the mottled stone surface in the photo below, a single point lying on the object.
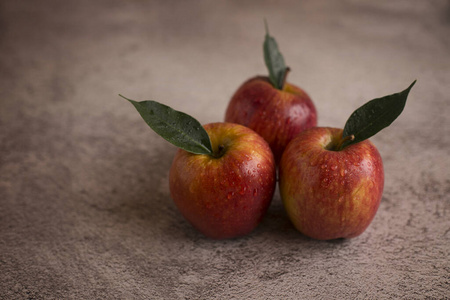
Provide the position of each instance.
(85, 210)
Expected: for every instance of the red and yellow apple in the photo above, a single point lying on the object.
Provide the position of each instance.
(225, 194)
(277, 115)
(330, 193)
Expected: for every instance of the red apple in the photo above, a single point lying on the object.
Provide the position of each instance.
(331, 180)
(277, 115)
(222, 178)
(327, 193)
(275, 109)
(226, 194)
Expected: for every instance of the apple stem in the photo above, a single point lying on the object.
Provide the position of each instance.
(220, 151)
(285, 77)
(342, 141)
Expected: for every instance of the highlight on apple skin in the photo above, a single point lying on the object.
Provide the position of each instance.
(277, 115)
(225, 195)
(330, 194)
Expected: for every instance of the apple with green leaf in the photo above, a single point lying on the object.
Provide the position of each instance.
(222, 178)
(331, 180)
(274, 108)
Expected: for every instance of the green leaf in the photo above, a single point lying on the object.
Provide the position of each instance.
(274, 61)
(176, 127)
(373, 116)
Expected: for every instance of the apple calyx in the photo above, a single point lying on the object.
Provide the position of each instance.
(372, 117)
(176, 127)
(274, 61)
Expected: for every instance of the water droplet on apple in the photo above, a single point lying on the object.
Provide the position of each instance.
(342, 172)
(243, 189)
(230, 195)
(259, 166)
(255, 192)
(333, 167)
(323, 166)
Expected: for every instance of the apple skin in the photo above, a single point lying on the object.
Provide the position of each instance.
(330, 194)
(277, 115)
(228, 196)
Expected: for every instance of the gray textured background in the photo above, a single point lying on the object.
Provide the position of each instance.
(85, 210)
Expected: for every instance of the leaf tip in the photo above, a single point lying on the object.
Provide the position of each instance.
(266, 26)
(124, 97)
(408, 89)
